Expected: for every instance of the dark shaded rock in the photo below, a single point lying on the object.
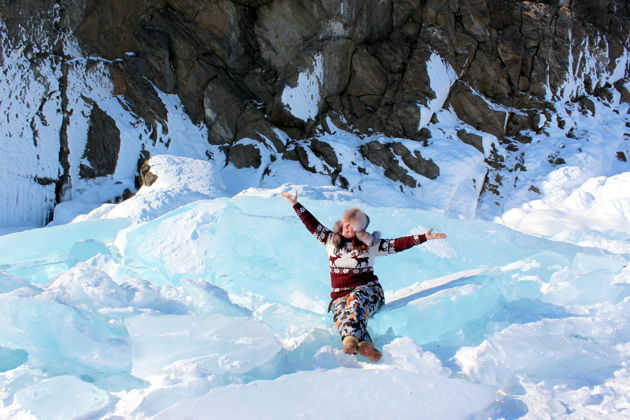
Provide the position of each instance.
(146, 176)
(416, 84)
(403, 11)
(44, 180)
(534, 189)
(244, 156)
(625, 93)
(283, 27)
(561, 122)
(222, 109)
(406, 119)
(297, 153)
(392, 55)
(338, 58)
(472, 139)
(475, 18)
(131, 81)
(231, 114)
(622, 156)
(511, 49)
(415, 161)
(489, 76)
(368, 76)
(325, 152)
(127, 194)
(144, 157)
(496, 160)
(475, 111)
(252, 3)
(605, 93)
(517, 122)
(383, 156)
(586, 105)
(103, 145)
(524, 139)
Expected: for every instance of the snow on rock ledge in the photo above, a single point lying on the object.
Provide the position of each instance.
(179, 181)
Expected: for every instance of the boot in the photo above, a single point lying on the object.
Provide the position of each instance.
(350, 344)
(367, 349)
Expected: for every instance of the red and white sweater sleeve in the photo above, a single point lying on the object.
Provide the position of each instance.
(392, 246)
(318, 230)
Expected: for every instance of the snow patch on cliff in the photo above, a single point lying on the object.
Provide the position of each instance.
(303, 99)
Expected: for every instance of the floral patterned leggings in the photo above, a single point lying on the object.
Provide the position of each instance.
(350, 312)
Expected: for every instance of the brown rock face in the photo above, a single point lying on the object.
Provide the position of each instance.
(220, 56)
(473, 109)
(102, 147)
(387, 156)
(231, 60)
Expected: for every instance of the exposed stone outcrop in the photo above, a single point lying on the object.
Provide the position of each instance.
(103, 145)
(388, 156)
(230, 62)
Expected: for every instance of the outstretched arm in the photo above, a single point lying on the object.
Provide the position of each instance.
(318, 230)
(430, 235)
(292, 199)
(392, 246)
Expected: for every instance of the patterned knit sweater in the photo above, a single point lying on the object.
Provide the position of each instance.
(350, 268)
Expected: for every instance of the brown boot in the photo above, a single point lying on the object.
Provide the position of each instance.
(350, 344)
(366, 349)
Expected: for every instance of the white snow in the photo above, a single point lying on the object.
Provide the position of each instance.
(303, 99)
(203, 295)
(441, 78)
(591, 213)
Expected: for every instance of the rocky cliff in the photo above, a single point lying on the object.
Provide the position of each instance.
(263, 79)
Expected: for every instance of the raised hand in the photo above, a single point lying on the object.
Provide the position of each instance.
(430, 235)
(292, 199)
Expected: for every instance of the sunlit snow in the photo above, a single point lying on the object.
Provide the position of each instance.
(194, 308)
(204, 296)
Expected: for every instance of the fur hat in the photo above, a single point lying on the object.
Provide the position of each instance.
(359, 222)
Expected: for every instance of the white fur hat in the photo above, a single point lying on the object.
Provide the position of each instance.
(359, 222)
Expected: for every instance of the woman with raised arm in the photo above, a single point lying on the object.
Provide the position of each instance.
(356, 293)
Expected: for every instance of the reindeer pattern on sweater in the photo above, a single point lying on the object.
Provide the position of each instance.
(350, 267)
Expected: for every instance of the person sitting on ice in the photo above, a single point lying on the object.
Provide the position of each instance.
(356, 293)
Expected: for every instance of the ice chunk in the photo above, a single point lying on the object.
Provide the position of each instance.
(347, 392)
(406, 355)
(208, 299)
(9, 282)
(178, 243)
(572, 351)
(62, 398)
(288, 322)
(61, 339)
(84, 250)
(39, 254)
(222, 344)
(88, 288)
(10, 359)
